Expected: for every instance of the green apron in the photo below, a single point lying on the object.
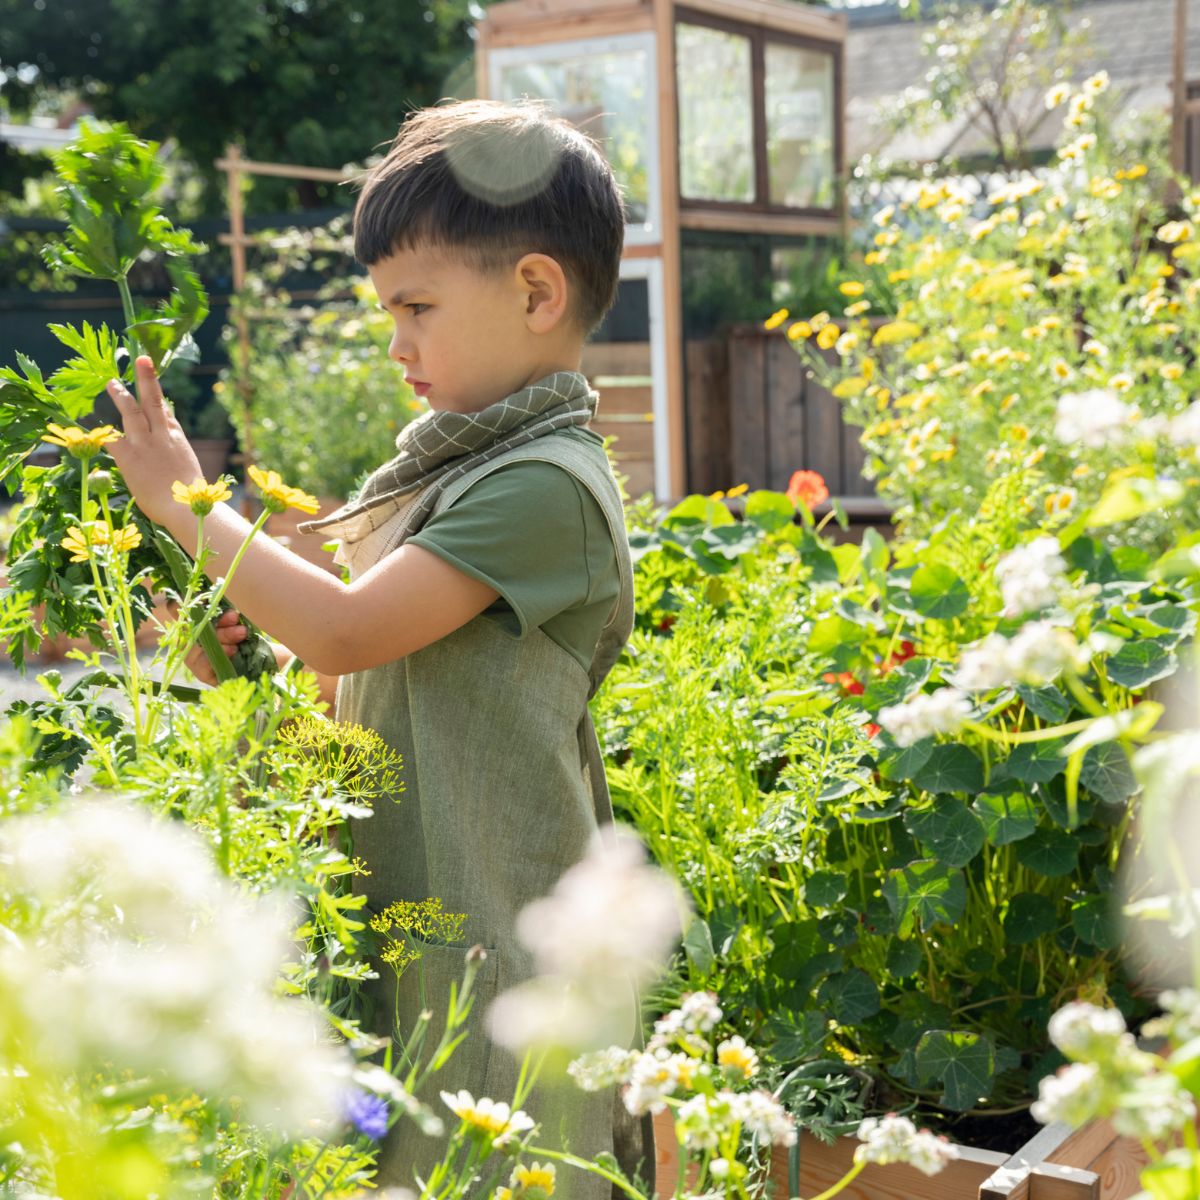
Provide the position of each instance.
(504, 787)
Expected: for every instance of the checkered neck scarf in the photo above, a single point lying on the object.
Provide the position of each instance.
(440, 447)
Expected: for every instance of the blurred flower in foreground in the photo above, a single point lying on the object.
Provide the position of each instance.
(606, 927)
(925, 715)
(132, 954)
(276, 495)
(1030, 576)
(895, 1139)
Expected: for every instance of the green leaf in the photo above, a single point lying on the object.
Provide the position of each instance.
(770, 511)
(1175, 1176)
(1132, 497)
(951, 768)
(851, 996)
(903, 958)
(904, 762)
(925, 892)
(1184, 1064)
(948, 830)
(1140, 662)
(832, 633)
(963, 1063)
(796, 1036)
(1106, 773)
(698, 945)
(698, 510)
(1092, 919)
(1046, 702)
(1035, 762)
(938, 593)
(825, 888)
(898, 684)
(1006, 818)
(1029, 917)
(78, 382)
(1049, 852)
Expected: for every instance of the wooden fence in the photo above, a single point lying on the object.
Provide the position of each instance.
(755, 415)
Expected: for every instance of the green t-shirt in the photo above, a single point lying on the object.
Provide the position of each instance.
(534, 533)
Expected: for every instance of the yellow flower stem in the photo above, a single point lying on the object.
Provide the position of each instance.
(572, 1160)
(844, 1182)
(120, 582)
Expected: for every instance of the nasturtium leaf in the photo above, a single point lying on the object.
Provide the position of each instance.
(1046, 702)
(698, 945)
(1176, 617)
(903, 958)
(963, 1063)
(1132, 496)
(851, 996)
(1029, 917)
(1007, 817)
(1184, 1064)
(698, 510)
(796, 1035)
(898, 684)
(770, 511)
(938, 593)
(1092, 919)
(796, 943)
(1035, 762)
(839, 929)
(1106, 773)
(824, 888)
(904, 762)
(1053, 796)
(925, 892)
(951, 768)
(822, 565)
(1140, 662)
(1049, 852)
(830, 633)
(979, 962)
(1007, 1059)
(948, 830)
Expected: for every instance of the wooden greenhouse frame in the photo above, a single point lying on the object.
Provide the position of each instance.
(516, 33)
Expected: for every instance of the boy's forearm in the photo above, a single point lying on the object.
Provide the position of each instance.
(297, 602)
(327, 683)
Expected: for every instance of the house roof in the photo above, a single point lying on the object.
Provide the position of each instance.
(1133, 40)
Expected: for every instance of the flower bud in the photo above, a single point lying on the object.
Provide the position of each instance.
(101, 483)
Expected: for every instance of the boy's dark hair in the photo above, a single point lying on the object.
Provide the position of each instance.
(491, 182)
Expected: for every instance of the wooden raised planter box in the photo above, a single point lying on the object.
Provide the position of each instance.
(1092, 1163)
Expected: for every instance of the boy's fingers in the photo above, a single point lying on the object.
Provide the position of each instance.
(150, 391)
(228, 617)
(133, 418)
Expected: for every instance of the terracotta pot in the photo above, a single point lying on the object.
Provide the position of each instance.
(213, 454)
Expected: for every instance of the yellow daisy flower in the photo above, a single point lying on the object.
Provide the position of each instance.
(851, 288)
(535, 1175)
(799, 330)
(776, 319)
(740, 490)
(277, 495)
(82, 443)
(125, 539)
(487, 1118)
(200, 496)
(828, 336)
(737, 1057)
(1171, 370)
(857, 308)
(78, 541)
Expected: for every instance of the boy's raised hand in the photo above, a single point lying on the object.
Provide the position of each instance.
(154, 452)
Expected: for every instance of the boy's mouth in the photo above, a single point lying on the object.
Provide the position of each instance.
(419, 386)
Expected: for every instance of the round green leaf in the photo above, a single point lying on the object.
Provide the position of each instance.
(1092, 919)
(925, 892)
(951, 768)
(1106, 773)
(1035, 762)
(1049, 852)
(963, 1063)
(824, 888)
(1029, 917)
(938, 593)
(903, 958)
(851, 996)
(904, 763)
(770, 510)
(1006, 818)
(948, 830)
(1140, 662)
(1046, 702)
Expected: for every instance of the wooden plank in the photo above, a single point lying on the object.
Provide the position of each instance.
(1068, 1147)
(628, 438)
(802, 19)
(747, 410)
(232, 162)
(854, 458)
(1119, 1167)
(1049, 1181)
(639, 478)
(710, 467)
(616, 358)
(824, 426)
(624, 400)
(594, 25)
(732, 220)
(787, 448)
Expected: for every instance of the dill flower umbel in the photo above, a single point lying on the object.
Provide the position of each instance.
(82, 443)
(200, 496)
(277, 495)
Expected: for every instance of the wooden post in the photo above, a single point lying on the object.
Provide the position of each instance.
(1179, 96)
(237, 252)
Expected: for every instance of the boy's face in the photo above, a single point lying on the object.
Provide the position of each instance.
(463, 338)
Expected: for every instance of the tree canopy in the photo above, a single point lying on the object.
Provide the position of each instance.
(319, 82)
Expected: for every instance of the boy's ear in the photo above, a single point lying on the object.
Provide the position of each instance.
(546, 290)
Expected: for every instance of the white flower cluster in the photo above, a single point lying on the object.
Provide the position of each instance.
(655, 1075)
(925, 714)
(602, 1068)
(1184, 428)
(1109, 1077)
(703, 1122)
(607, 926)
(1181, 1016)
(1094, 419)
(1035, 655)
(1031, 576)
(141, 958)
(697, 1013)
(895, 1139)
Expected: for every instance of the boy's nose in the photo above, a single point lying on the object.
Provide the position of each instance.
(398, 351)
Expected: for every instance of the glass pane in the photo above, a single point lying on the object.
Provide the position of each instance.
(800, 126)
(605, 95)
(716, 116)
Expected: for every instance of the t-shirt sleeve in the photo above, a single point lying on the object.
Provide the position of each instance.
(530, 530)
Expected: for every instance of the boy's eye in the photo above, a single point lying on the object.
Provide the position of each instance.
(417, 309)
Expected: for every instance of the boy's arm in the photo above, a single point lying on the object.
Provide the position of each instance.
(407, 601)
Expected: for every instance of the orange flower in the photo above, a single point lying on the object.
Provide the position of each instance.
(807, 488)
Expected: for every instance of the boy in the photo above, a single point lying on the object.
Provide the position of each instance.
(490, 581)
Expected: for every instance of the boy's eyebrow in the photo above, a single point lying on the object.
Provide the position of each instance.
(400, 297)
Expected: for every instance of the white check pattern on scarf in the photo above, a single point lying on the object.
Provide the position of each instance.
(441, 447)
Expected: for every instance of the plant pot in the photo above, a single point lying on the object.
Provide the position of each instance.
(213, 454)
(1059, 1163)
(282, 527)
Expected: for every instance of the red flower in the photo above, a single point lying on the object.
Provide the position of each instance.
(849, 685)
(807, 488)
(871, 728)
(907, 650)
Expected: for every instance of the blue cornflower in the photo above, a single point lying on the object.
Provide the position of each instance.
(368, 1114)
